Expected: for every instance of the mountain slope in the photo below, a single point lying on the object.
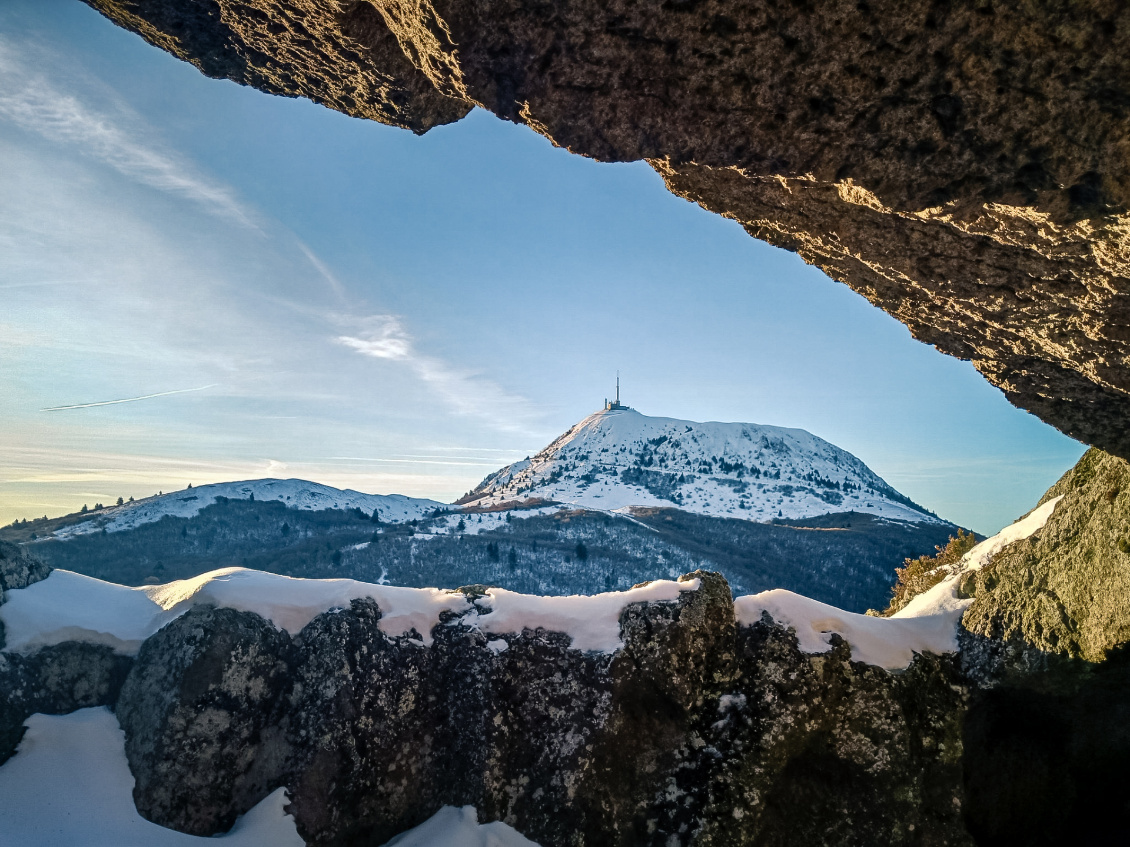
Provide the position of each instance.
(294, 493)
(615, 459)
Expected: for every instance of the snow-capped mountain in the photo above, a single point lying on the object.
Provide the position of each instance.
(295, 493)
(618, 458)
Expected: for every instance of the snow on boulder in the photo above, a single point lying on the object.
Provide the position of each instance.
(69, 783)
(452, 827)
(886, 642)
(592, 621)
(71, 607)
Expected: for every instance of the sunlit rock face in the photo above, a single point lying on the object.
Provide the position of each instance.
(965, 166)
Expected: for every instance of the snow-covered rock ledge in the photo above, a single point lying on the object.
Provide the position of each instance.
(375, 707)
(67, 607)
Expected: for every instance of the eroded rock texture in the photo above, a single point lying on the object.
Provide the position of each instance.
(55, 680)
(196, 710)
(18, 569)
(1065, 590)
(965, 166)
(696, 732)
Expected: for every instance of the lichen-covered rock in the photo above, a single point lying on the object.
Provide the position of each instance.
(197, 713)
(963, 165)
(1066, 589)
(362, 713)
(696, 731)
(55, 680)
(570, 747)
(386, 731)
(645, 781)
(19, 570)
(821, 750)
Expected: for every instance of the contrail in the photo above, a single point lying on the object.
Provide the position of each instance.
(127, 399)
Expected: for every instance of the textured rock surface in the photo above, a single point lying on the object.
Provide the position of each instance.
(55, 680)
(196, 711)
(19, 570)
(1065, 590)
(822, 750)
(697, 731)
(965, 166)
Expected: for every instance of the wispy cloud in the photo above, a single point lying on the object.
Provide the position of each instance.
(321, 268)
(126, 399)
(384, 337)
(407, 461)
(117, 138)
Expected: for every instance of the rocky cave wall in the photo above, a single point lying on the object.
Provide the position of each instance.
(963, 165)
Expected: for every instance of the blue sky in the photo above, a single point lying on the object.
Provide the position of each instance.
(356, 305)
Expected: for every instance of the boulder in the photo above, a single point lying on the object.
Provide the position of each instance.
(197, 711)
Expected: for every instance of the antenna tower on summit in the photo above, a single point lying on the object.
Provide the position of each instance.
(615, 405)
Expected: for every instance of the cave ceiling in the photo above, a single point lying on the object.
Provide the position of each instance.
(965, 166)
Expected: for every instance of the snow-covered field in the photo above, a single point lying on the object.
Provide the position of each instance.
(295, 493)
(614, 460)
(69, 785)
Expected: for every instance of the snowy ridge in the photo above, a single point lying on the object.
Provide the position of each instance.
(295, 493)
(927, 624)
(67, 606)
(617, 459)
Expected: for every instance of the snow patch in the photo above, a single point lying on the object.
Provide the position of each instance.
(452, 827)
(69, 783)
(71, 607)
(67, 606)
(886, 642)
(592, 621)
(928, 624)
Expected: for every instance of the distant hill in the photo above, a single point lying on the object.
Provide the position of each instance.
(618, 499)
(293, 493)
(845, 559)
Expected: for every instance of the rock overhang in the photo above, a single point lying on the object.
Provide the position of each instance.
(965, 166)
